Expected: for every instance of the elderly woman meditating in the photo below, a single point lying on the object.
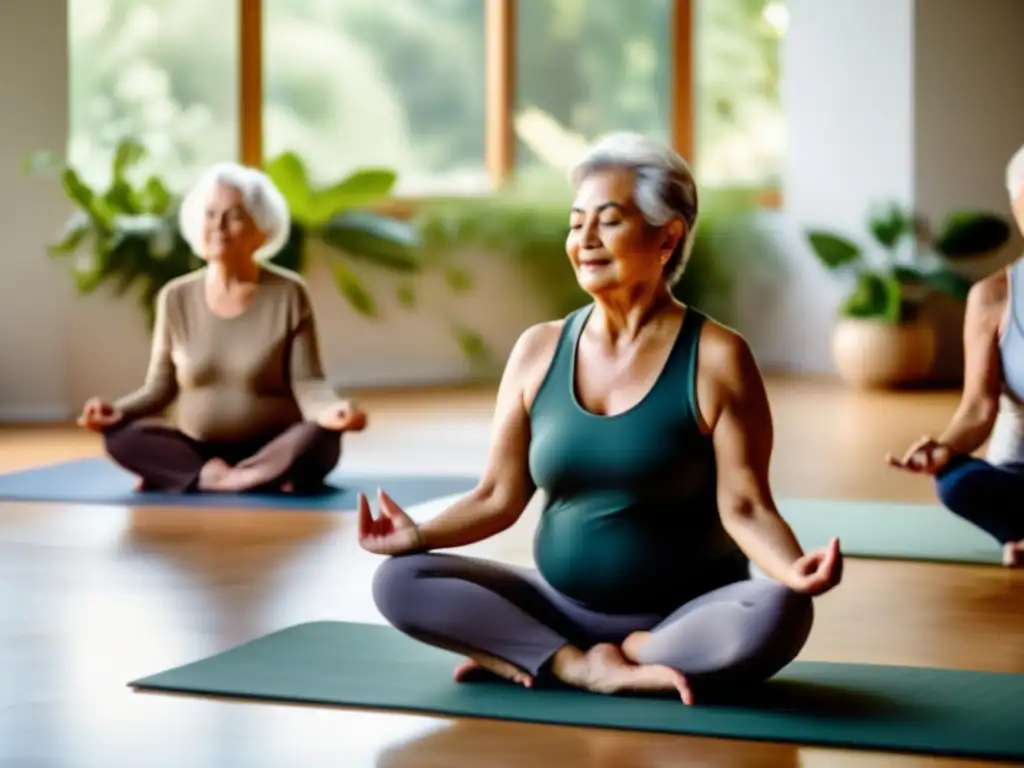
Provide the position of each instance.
(235, 345)
(647, 427)
(988, 492)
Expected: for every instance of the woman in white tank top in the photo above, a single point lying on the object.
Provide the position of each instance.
(988, 493)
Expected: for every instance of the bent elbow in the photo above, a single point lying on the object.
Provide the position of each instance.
(735, 510)
(738, 511)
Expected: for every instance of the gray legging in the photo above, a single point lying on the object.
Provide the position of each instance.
(743, 632)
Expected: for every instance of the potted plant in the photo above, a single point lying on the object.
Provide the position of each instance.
(881, 338)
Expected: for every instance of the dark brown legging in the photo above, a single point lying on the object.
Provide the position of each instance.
(166, 459)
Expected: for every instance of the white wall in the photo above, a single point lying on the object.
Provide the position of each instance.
(33, 298)
(915, 100)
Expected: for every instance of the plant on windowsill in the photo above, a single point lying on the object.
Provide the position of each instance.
(127, 235)
(881, 338)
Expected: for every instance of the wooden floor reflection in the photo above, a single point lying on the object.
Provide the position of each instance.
(92, 597)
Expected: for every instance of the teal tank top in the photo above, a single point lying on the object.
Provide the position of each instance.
(631, 519)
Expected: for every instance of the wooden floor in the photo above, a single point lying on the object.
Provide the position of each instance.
(91, 597)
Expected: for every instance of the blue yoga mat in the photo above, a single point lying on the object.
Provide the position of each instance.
(98, 481)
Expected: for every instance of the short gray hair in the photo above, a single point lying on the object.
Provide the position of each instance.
(1015, 174)
(665, 188)
(260, 196)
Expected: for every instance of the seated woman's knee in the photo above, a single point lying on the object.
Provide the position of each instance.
(796, 609)
(793, 619)
(326, 446)
(121, 440)
(397, 589)
(958, 486)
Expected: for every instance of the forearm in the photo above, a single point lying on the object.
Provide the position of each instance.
(476, 516)
(765, 538)
(314, 396)
(970, 427)
(148, 400)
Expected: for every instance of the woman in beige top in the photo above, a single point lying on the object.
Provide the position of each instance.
(235, 346)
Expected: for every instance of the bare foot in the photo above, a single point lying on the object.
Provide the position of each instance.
(217, 475)
(494, 665)
(603, 669)
(1013, 554)
(213, 474)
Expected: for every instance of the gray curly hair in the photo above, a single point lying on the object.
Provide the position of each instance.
(665, 188)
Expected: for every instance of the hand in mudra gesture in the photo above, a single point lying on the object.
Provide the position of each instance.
(393, 533)
(99, 415)
(927, 456)
(818, 571)
(343, 417)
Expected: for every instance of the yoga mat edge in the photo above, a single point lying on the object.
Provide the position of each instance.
(869, 529)
(96, 481)
(879, 707)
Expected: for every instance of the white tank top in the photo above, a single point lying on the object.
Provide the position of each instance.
(1006, 443)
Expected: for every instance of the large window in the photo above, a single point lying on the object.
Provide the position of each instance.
(584, 69)
(455, 95)
(367, 82)
(740, 128)
(162, 71)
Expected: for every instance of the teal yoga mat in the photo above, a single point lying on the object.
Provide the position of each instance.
(98, 481)
(890, 530)
(944, 712)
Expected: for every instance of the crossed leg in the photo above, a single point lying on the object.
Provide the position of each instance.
(988, 496)
(166, 459)
(511, 622)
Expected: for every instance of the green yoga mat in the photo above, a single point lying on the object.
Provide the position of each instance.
(946, 712)
(891, 530)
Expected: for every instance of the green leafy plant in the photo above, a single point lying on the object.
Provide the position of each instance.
(127, 235)
(908, 260)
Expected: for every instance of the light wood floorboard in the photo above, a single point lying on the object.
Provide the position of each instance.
(91, 597)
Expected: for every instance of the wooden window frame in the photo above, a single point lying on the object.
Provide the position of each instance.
(499, 89)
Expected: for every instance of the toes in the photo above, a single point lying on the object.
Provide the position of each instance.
(683, 687)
